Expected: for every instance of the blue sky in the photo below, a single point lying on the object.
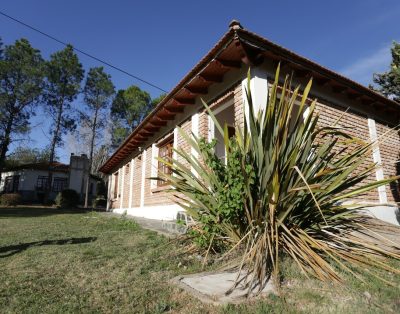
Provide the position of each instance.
(160, 41)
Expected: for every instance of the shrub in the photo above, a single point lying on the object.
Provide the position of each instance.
(99, 202)
(101, 189)
(67, 199)
(294, 179)
(10, 199)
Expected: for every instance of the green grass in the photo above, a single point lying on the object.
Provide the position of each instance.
(54, 261)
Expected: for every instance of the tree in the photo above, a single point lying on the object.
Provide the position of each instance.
(98, 92)
(128, 109)
(27, 155)
(78, 142)
(64, 74)
(389, 82)
(21, 83)
(1, 49)
(389, 85)
(157, 100)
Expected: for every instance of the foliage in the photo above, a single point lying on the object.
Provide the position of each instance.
(21, 82)
(101, 189)
(64, 74)
(228, 205)
(67, 198)
(294, 198)
(1, 49)
(389, 82)
(10, 199)
(157, 100)
(97, 92)
(128, 109)
(99, 201)
(27, 155)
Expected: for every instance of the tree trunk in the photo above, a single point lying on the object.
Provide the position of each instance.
(52, 152)
(94, 125)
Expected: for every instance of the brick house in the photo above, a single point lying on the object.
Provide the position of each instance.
(219, 80)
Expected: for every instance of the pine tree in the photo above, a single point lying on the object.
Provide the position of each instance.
(389, 82)
(21, 83)
(98, 92)
(64, 74)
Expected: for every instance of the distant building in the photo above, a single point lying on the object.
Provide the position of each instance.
(30, 180)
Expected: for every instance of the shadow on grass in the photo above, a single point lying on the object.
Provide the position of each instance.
(10, 250)
(10, 212)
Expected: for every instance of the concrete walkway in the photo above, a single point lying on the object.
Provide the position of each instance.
(165, 228)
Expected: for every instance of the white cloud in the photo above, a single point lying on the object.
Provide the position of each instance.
(362, 70)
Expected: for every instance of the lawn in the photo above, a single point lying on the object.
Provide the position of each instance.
(69, 262)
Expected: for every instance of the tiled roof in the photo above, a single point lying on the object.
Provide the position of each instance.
(239, 46)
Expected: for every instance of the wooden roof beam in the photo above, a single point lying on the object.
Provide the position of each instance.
(250, 55)
(211, 78)
(321, 81)
(157, 122)
(303, 73)
(174, 109)
(166, 115)
(141, 137)
(197, 90)
(232, 64)
(185, 101)
(354, 96)
(146, 133)
(367, 102)
(151, 128)
(339, 89)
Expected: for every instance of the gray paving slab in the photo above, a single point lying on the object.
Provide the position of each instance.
(213, 287)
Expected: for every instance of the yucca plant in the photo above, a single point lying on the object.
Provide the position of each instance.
(295, 180)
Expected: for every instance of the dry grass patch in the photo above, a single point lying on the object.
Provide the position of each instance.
(91, 263)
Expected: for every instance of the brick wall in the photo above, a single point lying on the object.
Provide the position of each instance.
(203, 125)
(389, 147)
(181, 142)
(126, 186)
(137, 181)
(356, 125)
(238, 105)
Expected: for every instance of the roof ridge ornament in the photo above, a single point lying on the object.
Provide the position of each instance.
(235, 24)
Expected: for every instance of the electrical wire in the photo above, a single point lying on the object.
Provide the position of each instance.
(82, 52)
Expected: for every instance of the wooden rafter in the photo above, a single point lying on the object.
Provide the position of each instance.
(211, 78)
(339, 88)
(197, 90)
(233, 64)
(184, 101)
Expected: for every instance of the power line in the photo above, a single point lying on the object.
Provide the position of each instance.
(82, 52)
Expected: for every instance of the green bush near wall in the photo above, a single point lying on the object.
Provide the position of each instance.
(67, 199)
(10, 199)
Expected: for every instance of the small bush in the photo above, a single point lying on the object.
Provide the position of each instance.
(101, 189)
(67, 199)
(11, 199)
(99, 202)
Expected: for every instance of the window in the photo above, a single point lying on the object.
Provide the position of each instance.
(165, 151)
(11, 184)
(41, 183)
(225, 115)
(116, 185)
(8, 184)
(59, 184)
